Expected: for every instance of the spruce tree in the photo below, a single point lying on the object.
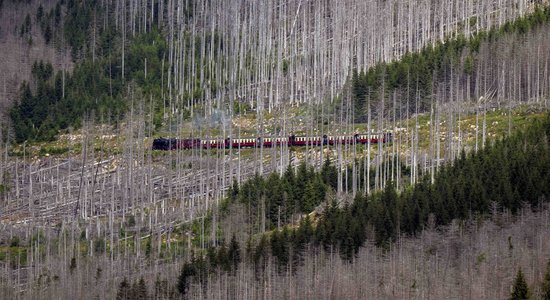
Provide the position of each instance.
(308, 198)
(520, 290)
(123, 292)
(234, 253)
(187, 272)
(546, 283)
(329, 174)
(140, 290)
(223, 258)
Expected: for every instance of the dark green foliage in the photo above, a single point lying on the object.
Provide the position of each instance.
(139, 290)
(78, 24)
(99, 246)
(124, 290)
(284, 195)
(57, 13)
(148, 247)
(299, 238)
(260, 253)
(233, 190)
(520, 290)
(546, 283)
(198, 268)
(234, 254)
(187, 272)
(280, 247)
(342, 229)
(131, 221)
(72, 264)
(26, 26)
(47, 34)
(15, 241)
(96, 86)
(221, 258)
(509, 172)
(39, 13)
(414, 75)
(93, 86)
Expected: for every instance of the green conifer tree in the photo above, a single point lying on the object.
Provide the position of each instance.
(546, 283)
(124, 291)
(141, 292)
(520, 290)
(187, 272)
(234, 253)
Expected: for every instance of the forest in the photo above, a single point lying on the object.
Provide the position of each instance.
(470, 188)
(416, 75)
(454, 206)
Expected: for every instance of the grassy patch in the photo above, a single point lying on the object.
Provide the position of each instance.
(53, 150)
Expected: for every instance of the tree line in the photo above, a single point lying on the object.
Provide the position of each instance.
(506, 175)
(510, 173)
(112, 72)
(415, 77)
(53, 102)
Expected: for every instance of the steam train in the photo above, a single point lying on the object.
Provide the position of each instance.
(292, 140)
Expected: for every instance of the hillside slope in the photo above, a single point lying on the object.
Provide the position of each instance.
(19, 51)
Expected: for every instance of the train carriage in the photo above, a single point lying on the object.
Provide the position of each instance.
(166, 144)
